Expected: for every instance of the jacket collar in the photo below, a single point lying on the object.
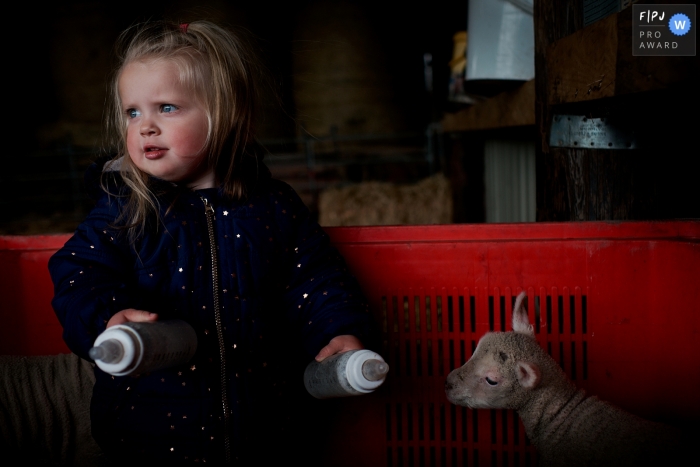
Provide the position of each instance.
(254, 168)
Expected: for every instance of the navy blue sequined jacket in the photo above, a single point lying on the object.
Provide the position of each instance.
(282, 290)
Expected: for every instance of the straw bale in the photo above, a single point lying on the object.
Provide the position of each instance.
(428, 201)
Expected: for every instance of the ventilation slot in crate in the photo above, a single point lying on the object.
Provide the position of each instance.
(428, 332)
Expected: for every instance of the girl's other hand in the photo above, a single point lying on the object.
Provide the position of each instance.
(131, 315)
(339, 344)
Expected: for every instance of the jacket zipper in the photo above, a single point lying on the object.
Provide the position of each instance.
(210, 215)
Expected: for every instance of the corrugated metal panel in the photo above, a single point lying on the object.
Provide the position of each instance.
(595, 10)
(509, 180)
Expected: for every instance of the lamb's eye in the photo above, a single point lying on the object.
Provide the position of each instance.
(491, 382)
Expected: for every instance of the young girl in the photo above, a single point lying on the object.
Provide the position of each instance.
(190, 225)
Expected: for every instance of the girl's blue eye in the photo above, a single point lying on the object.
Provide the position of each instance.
(132, 113)
(168, 108)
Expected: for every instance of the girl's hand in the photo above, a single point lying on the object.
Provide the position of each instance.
(131, 314)
(339, 344)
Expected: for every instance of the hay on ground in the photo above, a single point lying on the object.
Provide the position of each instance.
(382, 203)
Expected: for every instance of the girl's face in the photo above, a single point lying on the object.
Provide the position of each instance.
(167, 125)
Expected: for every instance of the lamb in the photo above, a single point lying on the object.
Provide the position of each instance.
(509, 370)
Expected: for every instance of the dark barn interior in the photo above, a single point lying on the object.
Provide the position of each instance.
(361, 92)
(373, 112)
(346, 81)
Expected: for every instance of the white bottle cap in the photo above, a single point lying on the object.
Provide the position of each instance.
(131, 358)
(354, 371)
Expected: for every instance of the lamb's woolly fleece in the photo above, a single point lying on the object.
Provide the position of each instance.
(45, 411)
(567, 427)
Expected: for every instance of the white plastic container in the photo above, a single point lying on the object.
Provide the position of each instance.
(351, 373)
(134, 348)
(501, 40)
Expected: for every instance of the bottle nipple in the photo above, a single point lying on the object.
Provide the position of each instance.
(374, 370)
(108, 351)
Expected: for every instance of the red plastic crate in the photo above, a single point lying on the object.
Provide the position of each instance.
(29, 325)
(617, 304)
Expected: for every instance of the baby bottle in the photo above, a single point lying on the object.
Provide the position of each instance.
(350, 373)
(134, 348)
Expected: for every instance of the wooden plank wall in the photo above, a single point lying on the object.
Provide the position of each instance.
(591, 71)
(509, 109)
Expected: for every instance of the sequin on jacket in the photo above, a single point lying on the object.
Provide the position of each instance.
(282, 293)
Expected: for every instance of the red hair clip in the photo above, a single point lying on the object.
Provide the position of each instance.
(183, 27)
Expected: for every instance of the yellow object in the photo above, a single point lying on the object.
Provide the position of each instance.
(459, 52)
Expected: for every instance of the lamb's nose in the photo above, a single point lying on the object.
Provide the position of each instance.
(448, 385)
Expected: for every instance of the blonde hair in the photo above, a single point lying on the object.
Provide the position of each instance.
(220, 68)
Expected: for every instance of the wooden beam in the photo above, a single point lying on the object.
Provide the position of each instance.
(648, 73)
(508, 109)
(581, 66)
(597, 62)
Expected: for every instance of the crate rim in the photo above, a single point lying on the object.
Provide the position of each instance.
(685, 230)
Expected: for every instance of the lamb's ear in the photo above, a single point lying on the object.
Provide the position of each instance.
(520, 320)
(529, 374)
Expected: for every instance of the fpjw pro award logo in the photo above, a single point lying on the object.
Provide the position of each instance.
(663, 30)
